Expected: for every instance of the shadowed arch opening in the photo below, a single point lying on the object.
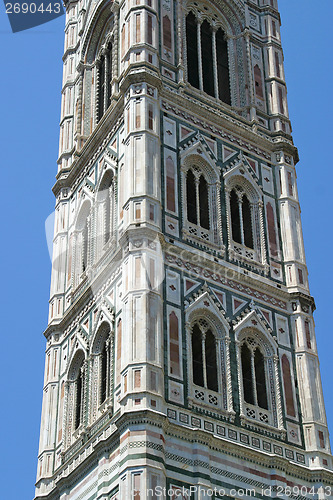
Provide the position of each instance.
(102, 350)
(204, 203)
(247, 375)
(76, 379)
(259, 369)
(191, 198)
(192, 50)
(247, 222)
(254, 374)
(204, 359)
(207, 58)
(235, 218)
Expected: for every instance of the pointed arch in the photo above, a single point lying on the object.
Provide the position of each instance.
(75, 395)
(76, 363)
(201, 195)
(244, 205)
(102, 366)
(208, 344)
(98, 56)
(259, 384)
(207, 53)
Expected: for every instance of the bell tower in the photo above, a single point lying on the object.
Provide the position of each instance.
(180, 352)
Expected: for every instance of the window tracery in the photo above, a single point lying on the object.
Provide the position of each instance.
(207, 56)
(209, 357)
(102, 354)
(103, 87)
(75, 398)
(254, 374)
(258, 376)
(98, 69)
(201, 199)
(204, 356)
(246, 235)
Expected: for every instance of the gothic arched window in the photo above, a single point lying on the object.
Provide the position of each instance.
(197, 191)
(200, 183)
(208, 68)
(73, 397)
(254, 375)
(204, 360)
(246, 232)
(101, 368)
(241, 219)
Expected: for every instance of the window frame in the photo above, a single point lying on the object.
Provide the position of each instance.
(200, 82)
(257, 337)
(200, 166)
(222, 400)
(202, 394)
(238, 180)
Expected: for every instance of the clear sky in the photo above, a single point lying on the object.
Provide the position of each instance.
(30, 86)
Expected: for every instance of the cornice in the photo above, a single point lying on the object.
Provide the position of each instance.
(94, 146)
(223, 267)
(154, 418)
(228, 120)
(88, 298)
(304, 298)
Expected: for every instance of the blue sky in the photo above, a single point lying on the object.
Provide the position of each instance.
(30, 88)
